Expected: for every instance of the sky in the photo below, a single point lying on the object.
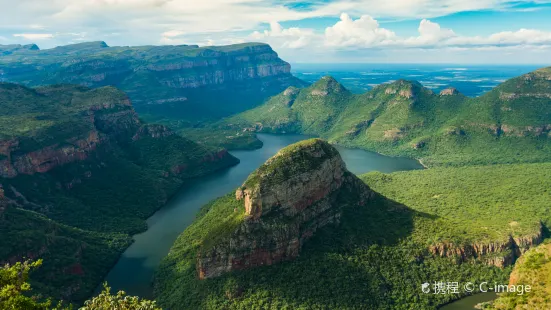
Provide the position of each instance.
(309, 31)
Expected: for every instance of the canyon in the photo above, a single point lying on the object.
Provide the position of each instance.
(185, 83)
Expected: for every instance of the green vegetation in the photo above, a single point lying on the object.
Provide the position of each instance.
(79, 174)
(473, 204)
(181, 86)
(15, 288)
(509, 124)
(534, 270)
(120, 301)
(14, 284)
(289, 161)
(378, 256)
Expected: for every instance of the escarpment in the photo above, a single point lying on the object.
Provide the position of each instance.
(185, 80)
(497, 253)
(79, 173)
(298, 191)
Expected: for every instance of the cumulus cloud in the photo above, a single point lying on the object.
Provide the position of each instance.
(146, 21)
(364, 31)
(285, 37)
(430, 34)
(34, 36)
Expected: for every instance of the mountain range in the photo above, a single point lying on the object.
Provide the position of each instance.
(183, 84)
(509, 124)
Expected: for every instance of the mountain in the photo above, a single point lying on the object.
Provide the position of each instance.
(268, 220)
(184, 84)
(302, 232)
(507, 125)
(80, 173)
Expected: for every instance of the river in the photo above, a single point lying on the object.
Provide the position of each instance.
(469, 303)
(134, 270)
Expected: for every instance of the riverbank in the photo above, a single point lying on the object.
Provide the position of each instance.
(136, 267)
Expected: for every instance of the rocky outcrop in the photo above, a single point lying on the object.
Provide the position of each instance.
(47, 158)
(154, 131)
(450, 91)
(500, 254)
(113, 118)
(298, 191)
(327, 85)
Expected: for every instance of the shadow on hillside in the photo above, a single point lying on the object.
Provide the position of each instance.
(355, 263)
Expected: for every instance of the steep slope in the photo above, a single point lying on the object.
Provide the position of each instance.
(268, 220)
(533, 270)
(79, 173)
(184, 83)
(509, 124)
(248, 250)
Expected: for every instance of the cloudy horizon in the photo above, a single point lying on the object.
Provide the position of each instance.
(393, 31)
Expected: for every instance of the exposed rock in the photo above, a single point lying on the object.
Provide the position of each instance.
(406, 93)
(512, 96)
(500, 254)
(295, 193)
(450, 91)
(393, 134)
(154, 131)
(325, 86)
(47, 158)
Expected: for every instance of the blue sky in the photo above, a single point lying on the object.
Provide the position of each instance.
(395, 31)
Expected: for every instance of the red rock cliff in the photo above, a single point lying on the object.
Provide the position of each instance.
(300, 190)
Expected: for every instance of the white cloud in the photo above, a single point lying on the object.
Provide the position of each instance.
(34, 36)
(364, 31)
(430, 34)
(145, 21)
(285, 37)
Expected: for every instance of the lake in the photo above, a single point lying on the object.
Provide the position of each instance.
(134, 271)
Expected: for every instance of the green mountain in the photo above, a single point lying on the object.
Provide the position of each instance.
(80, 173)
(507, 125)
(183, 84)
(304, 233)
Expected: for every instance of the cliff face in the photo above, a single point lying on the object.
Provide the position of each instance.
(499, 254)
(289, 198)
(161, 80)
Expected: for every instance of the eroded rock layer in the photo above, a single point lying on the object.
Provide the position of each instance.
(298, 191)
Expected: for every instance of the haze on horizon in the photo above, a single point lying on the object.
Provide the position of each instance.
(310, 31)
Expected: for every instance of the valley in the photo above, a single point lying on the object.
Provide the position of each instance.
(135, 269)
(213, 178)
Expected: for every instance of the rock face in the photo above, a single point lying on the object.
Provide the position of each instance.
(179, 78)
(450, 91)
(298, 191)
(499, 254)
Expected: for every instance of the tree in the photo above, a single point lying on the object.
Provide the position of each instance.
(14, 290)
(120, 301)
(14, 284)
